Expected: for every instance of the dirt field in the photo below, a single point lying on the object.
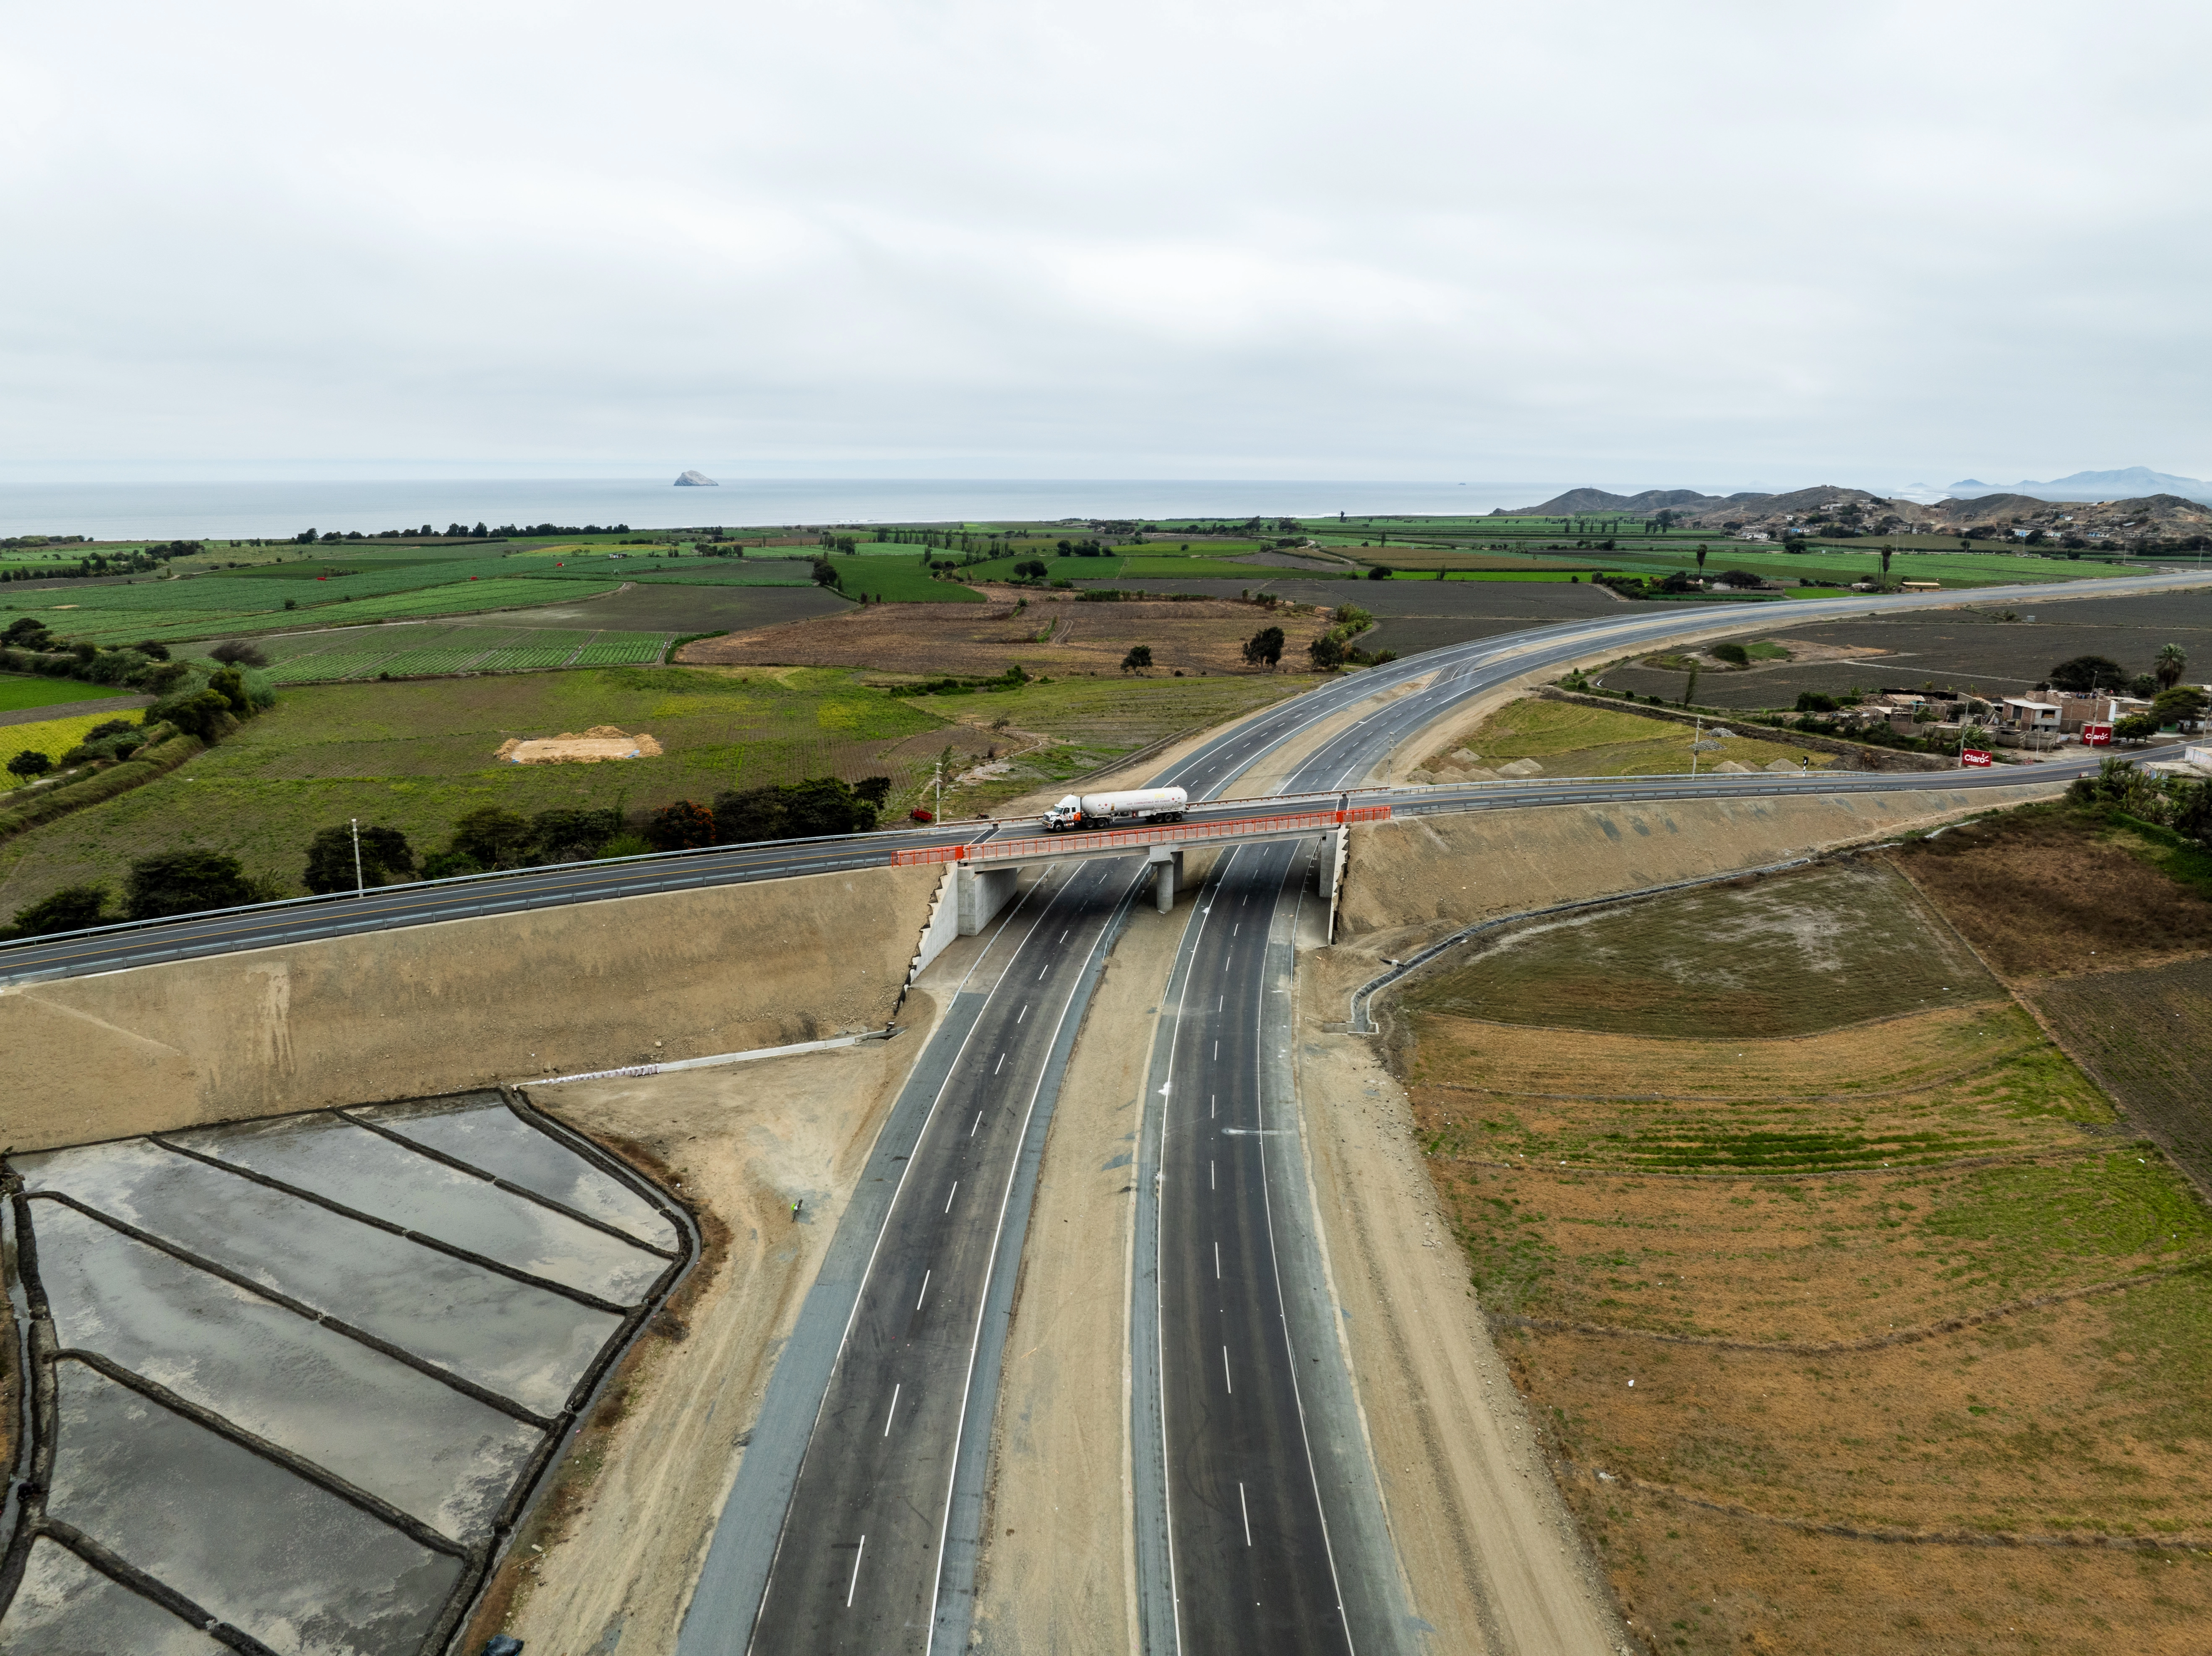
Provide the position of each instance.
(1055, 637)
(1969, 648)
(626, 1530)
(2114, 955)
(1785, 1292)
(2049, 892)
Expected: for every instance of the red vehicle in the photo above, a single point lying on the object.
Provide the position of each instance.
(918, 814)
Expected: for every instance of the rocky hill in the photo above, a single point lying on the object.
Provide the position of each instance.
(1828, 511)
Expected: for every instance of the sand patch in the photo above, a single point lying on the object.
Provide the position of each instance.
(601, 743)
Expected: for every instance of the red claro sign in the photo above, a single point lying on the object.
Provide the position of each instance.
(2096, 736)
(1974, 758)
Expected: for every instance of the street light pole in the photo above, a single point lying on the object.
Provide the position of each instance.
(359, 888)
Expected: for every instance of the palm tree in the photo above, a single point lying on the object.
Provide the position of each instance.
(1701, 558)
(1885, 563)
(2168, 668)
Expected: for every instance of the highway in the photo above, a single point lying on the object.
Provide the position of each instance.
(855, 1522)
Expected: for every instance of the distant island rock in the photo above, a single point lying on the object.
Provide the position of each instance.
(696, 480)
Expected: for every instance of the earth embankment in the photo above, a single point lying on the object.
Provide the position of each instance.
(444, 1009)
(1417, 878)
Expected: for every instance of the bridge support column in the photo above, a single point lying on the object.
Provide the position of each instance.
(1167, 872)
(980, 894)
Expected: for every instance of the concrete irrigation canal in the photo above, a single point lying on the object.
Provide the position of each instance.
(292, 1380)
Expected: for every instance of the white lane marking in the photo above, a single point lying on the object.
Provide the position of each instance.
(1209, 1107)
(1217, 1049)
(1063, 935)
(1247, 1511)
(1023, 1013)
(1234, 929)
(856, 1581)
(1042, 970)
(975, 1124)
(1000, 1064)
(1209, 1175)
(1216, 1262)
(1226, 1378)
(950, 1194)
(892, 1413)
(1220, 1001)
(924, 1294)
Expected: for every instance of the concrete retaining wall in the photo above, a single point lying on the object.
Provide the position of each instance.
(439, 1008)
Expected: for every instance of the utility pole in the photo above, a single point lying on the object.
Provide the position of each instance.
(359, 888)
(1697, 740)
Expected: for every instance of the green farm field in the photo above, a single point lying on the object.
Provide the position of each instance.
(1568, 739)
(20, 692)
(1882, 1263)
(415, 756)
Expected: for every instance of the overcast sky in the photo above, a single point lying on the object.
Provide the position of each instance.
(1698, 243)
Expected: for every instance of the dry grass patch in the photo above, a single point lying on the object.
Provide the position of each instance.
(1049, 637)
(1787, 956)
(1698, 1580)
(1903, 1289)
(1568, 739)
(2047, 891)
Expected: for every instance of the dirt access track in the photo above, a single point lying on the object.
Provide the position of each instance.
(1057, 636)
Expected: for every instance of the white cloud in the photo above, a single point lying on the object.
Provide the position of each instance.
(1393, 240)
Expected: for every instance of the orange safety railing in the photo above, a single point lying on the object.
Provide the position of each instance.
(1140, 837)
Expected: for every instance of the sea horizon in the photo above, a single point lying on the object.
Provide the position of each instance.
(283, 507)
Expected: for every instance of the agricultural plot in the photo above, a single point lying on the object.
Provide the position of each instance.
(50, 736)
(1057, 637)
(1971, 649)
(1804, 1240)
(2145, 1035)
(418, 755)
(21, 693)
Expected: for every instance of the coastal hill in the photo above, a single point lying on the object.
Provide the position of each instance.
(1828, 510)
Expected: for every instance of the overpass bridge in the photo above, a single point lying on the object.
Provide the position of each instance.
(985, 871)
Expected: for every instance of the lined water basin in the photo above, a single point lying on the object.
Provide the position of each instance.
(303, 1370)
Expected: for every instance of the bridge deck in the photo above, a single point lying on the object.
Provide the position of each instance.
(1120, 842)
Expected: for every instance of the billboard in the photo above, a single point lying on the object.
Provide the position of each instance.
(2096, 736)
(1974, 758)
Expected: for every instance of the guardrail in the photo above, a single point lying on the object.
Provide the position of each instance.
(1138, 839)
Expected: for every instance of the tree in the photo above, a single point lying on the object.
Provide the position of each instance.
(1701, 557)
(493, 838)
(71, 909)
(1813, 701)
(2084, 674)
(2136, 727)
(1264, 646)
(1327, 652)
(826, 573)
(1379, 572)
(1735, 654)
(330, 858)
(2181, 702)
(1032, 568)
(1885, 562)
(187, 882)
(2169, 665)
(238, 652)
(572, 836)
(680, 826)
(29, 763)
(872, 790)
(1138, 659)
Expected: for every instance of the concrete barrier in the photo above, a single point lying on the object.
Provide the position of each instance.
(446, 1007)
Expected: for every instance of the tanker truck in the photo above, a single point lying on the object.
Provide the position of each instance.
(1099, 811)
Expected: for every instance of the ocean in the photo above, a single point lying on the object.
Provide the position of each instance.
(232, 511)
